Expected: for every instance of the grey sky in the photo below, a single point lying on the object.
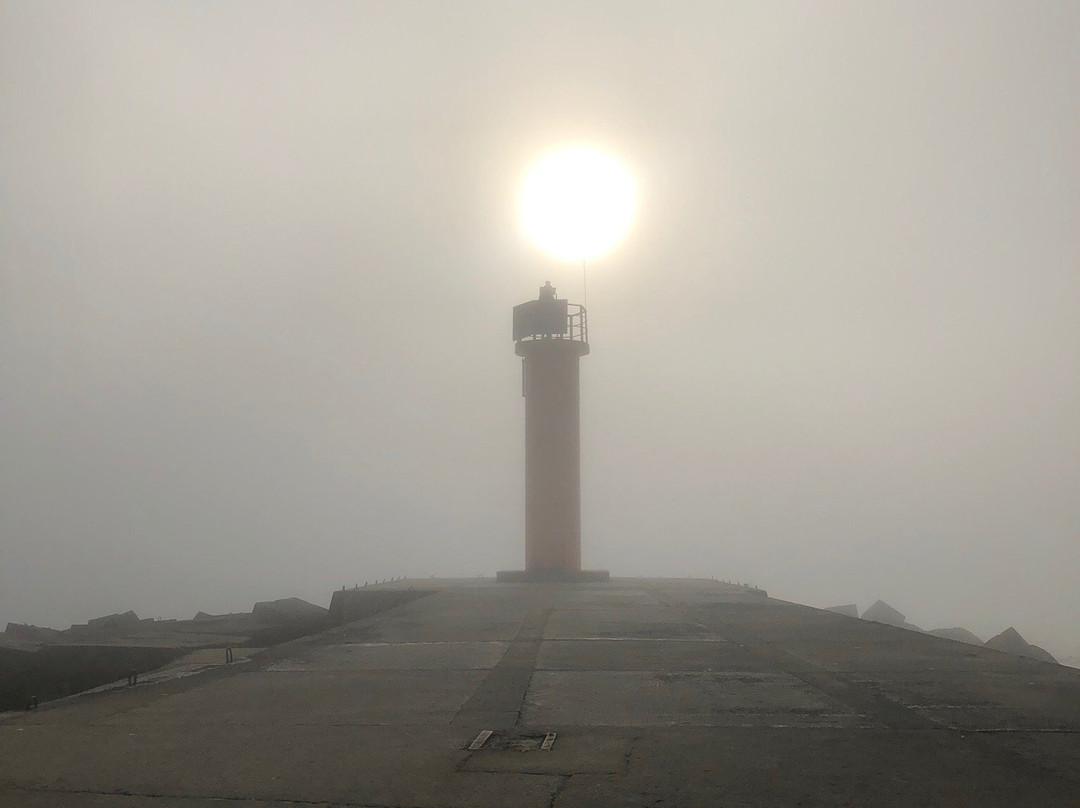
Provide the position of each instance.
(257, 262)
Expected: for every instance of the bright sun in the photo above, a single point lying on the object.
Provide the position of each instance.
(577, 203)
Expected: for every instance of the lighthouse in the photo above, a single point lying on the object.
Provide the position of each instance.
(551, 335)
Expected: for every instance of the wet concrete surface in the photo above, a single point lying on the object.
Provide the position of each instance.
(659, 692)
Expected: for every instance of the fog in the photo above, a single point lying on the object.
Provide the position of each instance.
(257, 264)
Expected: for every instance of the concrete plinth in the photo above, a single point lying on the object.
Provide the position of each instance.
(552, 576)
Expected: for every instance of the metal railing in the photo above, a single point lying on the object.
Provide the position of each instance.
(577, 326)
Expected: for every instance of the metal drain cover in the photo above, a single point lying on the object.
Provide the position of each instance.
(491, 741)
(480, 740)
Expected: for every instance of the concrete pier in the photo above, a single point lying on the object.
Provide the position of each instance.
(658, 692)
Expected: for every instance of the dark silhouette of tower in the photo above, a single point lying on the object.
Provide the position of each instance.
(552, 335)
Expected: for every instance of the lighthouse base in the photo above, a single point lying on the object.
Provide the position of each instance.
(552, 576)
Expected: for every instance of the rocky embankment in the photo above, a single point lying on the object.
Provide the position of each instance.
(1008, 641)
(40, 664)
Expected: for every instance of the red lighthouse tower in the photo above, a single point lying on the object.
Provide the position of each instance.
(551, 336)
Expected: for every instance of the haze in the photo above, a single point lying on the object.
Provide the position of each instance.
(257, 263)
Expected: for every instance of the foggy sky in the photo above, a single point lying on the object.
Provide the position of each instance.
(257, 262)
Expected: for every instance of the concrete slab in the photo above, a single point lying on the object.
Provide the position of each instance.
(640, 622)
(337, 764)
(646, 699)
(814, 767)
(604, 598)
(1058, 752)
(910, 653)
(99, 704)
(397, 656)
(467, 615)
(358, 698)
(647, 655)
(1046, 699)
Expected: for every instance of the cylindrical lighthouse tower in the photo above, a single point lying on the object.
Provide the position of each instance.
(551, 336)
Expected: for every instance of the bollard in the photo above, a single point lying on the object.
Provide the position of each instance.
(228, 656)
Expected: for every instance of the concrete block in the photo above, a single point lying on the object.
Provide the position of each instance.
(289, 610)
(1011, 642)
(957, 634)
(882, 612)
(848, 610)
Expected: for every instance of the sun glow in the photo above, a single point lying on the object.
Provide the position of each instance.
(577, 203)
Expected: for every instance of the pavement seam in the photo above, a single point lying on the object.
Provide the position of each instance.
(151, 795)
(634, 740)
(507, 676)
(257, 800)
(564, 781)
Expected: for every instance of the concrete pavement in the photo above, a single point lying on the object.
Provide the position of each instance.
(659, 692)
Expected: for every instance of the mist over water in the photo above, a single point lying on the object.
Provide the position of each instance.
(257, 263)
